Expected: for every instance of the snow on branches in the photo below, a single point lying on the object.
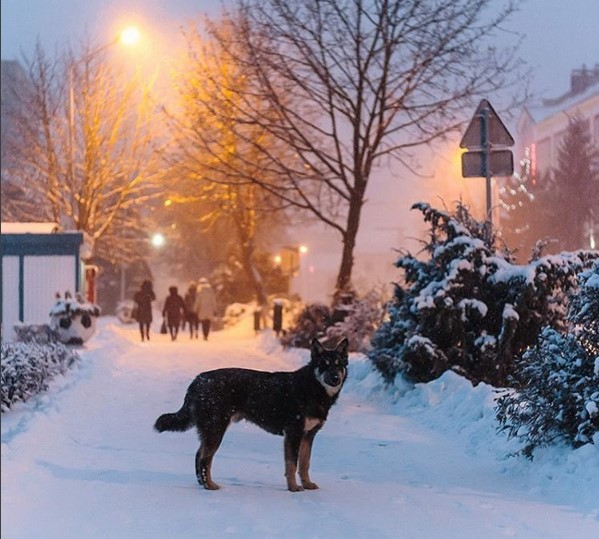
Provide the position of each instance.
(466, 306)
(28, 368)
(557, 380)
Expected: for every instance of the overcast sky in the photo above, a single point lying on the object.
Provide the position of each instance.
(560, 34)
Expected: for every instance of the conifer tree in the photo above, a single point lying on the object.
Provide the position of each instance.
(466, 306)
(524, 214)
(574, 188)
(557, 380)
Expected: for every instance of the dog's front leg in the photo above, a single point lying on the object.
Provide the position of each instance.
(305, 451)
(292, 444)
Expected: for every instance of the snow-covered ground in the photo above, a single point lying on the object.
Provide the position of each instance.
(82, 461)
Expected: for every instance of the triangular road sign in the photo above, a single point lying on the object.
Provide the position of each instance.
(498, 135)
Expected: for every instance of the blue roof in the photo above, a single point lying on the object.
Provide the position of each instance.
(65, 243)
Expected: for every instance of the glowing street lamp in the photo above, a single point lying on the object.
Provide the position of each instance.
(158, 240)
(129, 36)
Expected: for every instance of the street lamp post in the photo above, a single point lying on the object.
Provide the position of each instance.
(71, 126)
(129, 36)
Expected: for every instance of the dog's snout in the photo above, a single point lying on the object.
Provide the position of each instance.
(332, 378)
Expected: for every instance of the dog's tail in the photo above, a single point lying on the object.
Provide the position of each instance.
(178, 421)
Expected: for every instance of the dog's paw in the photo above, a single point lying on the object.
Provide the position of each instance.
(308, 485)
(294, 488)
(211, 486)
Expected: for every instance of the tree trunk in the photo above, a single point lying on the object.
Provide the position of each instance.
(344, 275)
(247, 251)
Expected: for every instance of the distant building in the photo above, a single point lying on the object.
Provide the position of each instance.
(540, 131)
(38, 261)
(542, 126)
(13, 83)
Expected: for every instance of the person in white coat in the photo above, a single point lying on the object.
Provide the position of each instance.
(205, 305)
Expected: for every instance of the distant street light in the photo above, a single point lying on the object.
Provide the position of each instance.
(129, 36)
(158, 240)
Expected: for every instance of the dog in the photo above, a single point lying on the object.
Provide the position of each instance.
(292, 404)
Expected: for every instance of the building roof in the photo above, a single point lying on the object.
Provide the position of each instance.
(29, 228)
(550, 107)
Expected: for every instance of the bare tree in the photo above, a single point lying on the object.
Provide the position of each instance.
(344, 84)
(218, 160)
(87, 162)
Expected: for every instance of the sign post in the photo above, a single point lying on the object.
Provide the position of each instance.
(485, 138)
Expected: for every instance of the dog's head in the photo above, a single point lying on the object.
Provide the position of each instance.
(330, 365)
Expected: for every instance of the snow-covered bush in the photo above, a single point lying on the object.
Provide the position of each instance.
(39, 333)
(584, 310)
(27, 369)
(363, 316)
(311, 323)
(235, 312)
(355, 319)
(74, 320)
(125, 311)
(557, 381)
(467, 306)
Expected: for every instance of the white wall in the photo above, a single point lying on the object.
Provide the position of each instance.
(10, 295)
(43, 276)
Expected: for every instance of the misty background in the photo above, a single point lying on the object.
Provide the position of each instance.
(556, 38)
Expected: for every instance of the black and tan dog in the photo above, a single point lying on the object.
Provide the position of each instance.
(292, 404)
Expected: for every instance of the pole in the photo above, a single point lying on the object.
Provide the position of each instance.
(71, 76)
(71, 126)
(123, 280)
(487, 160)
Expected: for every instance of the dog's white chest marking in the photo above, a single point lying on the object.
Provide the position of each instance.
(311, 423)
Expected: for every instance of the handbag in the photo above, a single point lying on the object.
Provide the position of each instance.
(163, 329)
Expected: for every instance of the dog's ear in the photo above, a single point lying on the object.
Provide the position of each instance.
(316, 348)
(343, 347)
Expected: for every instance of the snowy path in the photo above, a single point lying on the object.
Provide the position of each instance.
(84, 462)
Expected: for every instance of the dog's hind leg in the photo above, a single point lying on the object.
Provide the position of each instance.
(209, 445)
(305, 451)
(292, 445)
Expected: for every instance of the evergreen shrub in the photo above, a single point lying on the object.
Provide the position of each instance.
(463, 304)
(28, 367)
(557, 380)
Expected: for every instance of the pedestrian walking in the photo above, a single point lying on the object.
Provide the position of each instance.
(173, 312)
(205, 306)
(143, 299)
(190, 314)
